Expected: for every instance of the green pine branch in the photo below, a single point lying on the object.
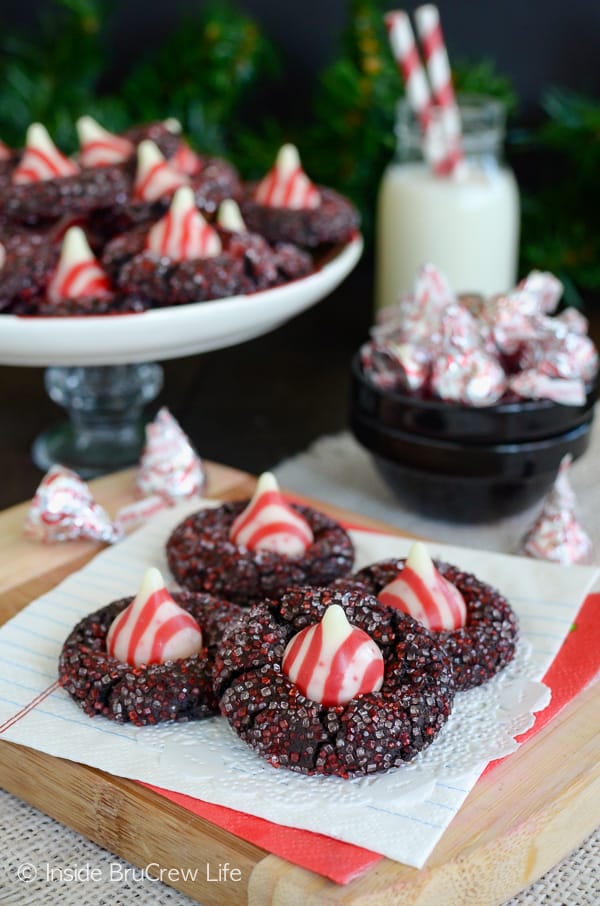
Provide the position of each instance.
(212, 65)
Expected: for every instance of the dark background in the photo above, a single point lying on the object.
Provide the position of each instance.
(536, 42)
(254, 404)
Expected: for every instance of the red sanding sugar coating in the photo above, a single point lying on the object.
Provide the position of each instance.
(479, 649)
(79, 194)
(105, 194)
(334, 220)
(179, 690)
(202, 557)
(371, 733)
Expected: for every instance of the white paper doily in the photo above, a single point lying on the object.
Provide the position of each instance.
(401, 814)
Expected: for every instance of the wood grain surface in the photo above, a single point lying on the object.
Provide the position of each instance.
(521, 818)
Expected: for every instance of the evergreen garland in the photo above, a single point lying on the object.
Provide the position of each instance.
(206, 70)
(561, 220)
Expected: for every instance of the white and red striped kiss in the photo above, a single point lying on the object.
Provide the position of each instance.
(183, 234)
(98, 146)
(269, 523)
(155, 177)
(153, 629)
(333, 662)
(423, 593)
(287, 185)
(78, 274)
(41, 158)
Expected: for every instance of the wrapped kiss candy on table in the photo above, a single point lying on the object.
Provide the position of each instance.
(169, 465)
(63, 509)
(556, 533)
(170, 470)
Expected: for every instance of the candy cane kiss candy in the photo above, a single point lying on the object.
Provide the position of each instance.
(154, 176)
(153, 629)
(287, 185)
(41, 158)
(422, 592)
(332, 662)
(78, 273)
(229, 217)
(269, 523)
(99, 147)
(183, 233)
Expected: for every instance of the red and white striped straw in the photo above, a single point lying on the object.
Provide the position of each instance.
(404, 49)
(441, 139)
(437, 64)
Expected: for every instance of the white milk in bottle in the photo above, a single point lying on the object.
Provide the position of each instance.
(466, 223)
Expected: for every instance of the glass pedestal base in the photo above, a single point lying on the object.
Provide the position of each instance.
(105, 431)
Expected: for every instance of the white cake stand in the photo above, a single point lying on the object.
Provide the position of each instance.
(103, 369)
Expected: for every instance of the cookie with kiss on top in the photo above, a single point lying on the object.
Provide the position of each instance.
(331, 682)
(46, 185)
(183, 258)
(66, 280)
(287, 206)
(100, 148)
(178, 259)
(149, 658)
(157, 178)
(474, 621)
(246, 551)
(265, 263)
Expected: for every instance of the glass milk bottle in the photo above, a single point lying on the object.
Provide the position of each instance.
(466, 224)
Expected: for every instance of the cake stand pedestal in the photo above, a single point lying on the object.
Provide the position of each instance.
(105, 431)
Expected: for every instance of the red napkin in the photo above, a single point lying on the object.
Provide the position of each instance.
(574, 667)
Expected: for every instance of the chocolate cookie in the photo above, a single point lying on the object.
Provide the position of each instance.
(485, 644)
(165, 282)
(177, 690)
(335, 220)
(371, 733)
(202, 557)
(49, 199)
(30, 258)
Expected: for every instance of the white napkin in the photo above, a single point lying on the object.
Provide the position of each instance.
(401, 814)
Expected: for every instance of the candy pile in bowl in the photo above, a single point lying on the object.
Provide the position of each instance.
(469, 405)
(140, 220)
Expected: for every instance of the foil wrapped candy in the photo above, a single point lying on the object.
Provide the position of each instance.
(169, 470)
(63, 508)
(556, 534)
(473, 350)
(169, 465)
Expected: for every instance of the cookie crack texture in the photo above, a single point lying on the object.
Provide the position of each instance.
(202, 557)
(371, 733)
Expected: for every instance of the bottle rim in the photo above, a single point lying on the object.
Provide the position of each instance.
(483, 122)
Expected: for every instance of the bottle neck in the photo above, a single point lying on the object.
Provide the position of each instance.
(483, 123)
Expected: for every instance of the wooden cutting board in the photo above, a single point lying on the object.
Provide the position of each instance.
(521, 818)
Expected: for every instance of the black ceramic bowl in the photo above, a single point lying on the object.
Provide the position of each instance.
(507, 462)
(503, 422)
